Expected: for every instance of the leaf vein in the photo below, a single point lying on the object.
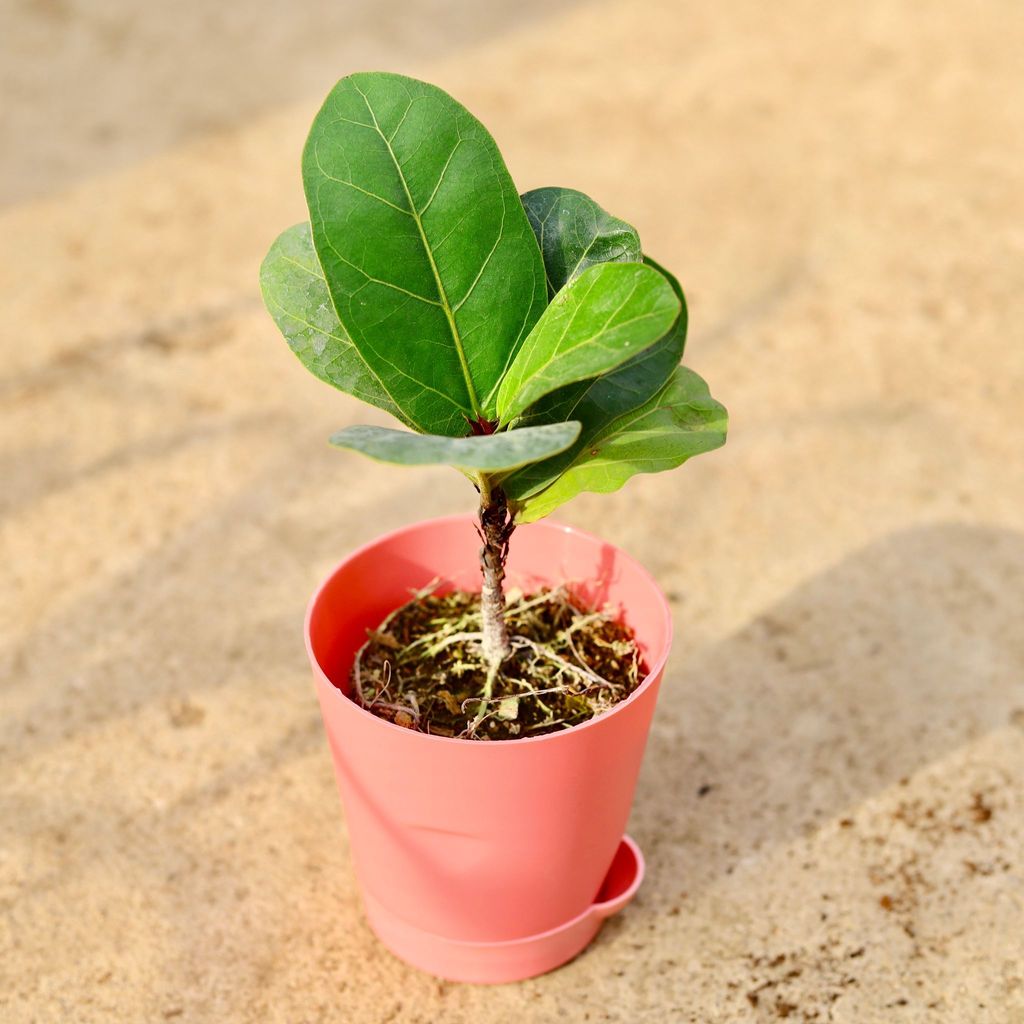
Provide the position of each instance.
(444, 303)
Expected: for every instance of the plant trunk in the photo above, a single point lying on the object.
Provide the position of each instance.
(496, 528)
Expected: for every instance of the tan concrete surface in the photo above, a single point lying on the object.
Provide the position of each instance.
(839, 189)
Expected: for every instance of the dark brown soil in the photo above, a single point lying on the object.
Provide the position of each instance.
(422, 668)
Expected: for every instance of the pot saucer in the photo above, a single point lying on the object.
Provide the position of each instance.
(515, 959)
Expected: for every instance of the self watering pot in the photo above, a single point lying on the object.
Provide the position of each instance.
(486, 861)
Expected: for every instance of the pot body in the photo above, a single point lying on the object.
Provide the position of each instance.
(481, 843)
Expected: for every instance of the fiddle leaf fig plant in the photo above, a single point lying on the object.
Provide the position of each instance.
(526, 341)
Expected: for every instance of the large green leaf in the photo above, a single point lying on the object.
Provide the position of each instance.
(680, 421)
(607, 315)
(575, 233)
(489, 453)
(296, 295)
(430, 260)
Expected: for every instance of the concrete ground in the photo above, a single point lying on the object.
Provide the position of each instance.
(831, 806)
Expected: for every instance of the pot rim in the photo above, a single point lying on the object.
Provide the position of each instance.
(654, 670)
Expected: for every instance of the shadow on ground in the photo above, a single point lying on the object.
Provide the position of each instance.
(886, 662)
(92, 77)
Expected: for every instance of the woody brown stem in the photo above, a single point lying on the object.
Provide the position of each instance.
(496, 528)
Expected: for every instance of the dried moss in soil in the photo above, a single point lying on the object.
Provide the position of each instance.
(423, 668)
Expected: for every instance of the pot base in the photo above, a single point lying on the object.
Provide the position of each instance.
(516, 959)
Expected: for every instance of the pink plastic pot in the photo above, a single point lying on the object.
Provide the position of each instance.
(486, 861)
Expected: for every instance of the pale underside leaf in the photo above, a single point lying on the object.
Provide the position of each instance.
(487, 453)
(608, 314)
(575, 233)
(431, 263)
(295, 294)
(680, 421)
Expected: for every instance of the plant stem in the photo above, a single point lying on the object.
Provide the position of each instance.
(496, 528)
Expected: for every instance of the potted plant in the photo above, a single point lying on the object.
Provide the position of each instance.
(486, 740)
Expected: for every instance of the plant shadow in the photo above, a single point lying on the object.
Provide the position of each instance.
(890, 660)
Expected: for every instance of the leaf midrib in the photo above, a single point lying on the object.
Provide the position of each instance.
(442, 294)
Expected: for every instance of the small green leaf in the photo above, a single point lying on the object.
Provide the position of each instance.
(430, 260)
(597, 401)
(607, 315)
(295, 294)
(680, 421)
(575, 233)
(487, 453)
(595, 404)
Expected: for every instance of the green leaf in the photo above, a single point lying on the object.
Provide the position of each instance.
(608, 314)
(680, 421)
(430, 260)
(295, 294)
(596, 402)
(488, 453)
(682, 322)
(575, 233)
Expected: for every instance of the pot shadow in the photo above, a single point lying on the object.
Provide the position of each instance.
(890, 660)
